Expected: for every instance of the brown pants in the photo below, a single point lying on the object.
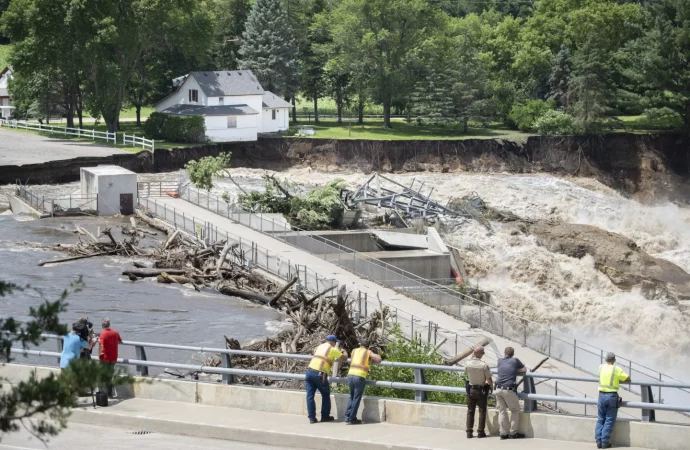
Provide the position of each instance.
(476, 398)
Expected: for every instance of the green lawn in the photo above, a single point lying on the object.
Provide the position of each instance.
(4, 55)
(130, 113)
(373, 129)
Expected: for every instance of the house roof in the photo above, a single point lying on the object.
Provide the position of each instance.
(270, 100)
(228, 82)
(9, 69)
(201, 110)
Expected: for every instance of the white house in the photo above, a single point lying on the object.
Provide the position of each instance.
(234, 105)
(5, 108)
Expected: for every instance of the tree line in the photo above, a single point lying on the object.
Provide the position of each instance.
(548, 65)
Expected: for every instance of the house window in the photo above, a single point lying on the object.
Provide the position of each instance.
(232, 122)
(193, 96)
(274, 113)
(221, 101)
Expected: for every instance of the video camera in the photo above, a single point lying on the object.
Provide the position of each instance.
(84, 328)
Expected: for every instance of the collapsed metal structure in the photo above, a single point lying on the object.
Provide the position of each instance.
(408, 202)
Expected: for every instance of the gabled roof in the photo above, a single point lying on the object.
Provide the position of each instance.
(228, 82)
(201, 110)
(9, 69)
(270, 100)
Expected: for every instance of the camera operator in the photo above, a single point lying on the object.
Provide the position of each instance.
(74, 342)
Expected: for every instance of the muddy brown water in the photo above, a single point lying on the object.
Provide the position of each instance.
(140, 311)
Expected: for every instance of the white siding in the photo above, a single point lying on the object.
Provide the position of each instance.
(273, 126)
(253, 101)
(181, 97)
(217, 128)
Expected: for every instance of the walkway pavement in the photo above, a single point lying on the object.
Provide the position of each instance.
(293, 431)
(18, 148)
(419, 310)
(80, 436)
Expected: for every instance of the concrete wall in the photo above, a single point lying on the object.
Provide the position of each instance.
(19, 206)
(109, 189)
(399, 412)
(360, 241)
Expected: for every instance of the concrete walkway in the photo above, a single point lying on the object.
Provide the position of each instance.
(78, 436)
(293, 431)
(423, 313)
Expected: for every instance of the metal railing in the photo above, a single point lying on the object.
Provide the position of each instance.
(61, 206)
(494, 319)
(156, 188)
(65, 131)
(529, 394)
(136, 141)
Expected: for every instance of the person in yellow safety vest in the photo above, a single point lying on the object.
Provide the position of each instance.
(317, 378)
(610, 377)
(360, 365)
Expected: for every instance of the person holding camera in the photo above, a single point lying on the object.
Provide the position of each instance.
(73, 343)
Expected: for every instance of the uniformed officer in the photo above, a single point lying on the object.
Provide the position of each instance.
(317, 378)
(478, 386)
(610, 377)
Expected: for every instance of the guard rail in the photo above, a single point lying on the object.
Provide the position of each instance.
(529, 395)
(496, 320)
(66, 131)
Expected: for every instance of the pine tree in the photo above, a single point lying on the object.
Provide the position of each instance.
(269, 48)
(231, 16)
(559, 81)
(432, 101)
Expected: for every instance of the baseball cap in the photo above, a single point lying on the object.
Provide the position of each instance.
(332, 338)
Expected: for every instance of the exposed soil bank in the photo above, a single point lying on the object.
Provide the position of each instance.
(649, 167)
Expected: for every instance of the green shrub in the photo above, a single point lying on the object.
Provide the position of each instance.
(556, 123)
(202, 172)
(525, 114)
(175, 129)
(402, 350)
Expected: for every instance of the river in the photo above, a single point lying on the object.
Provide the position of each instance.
(142, 310)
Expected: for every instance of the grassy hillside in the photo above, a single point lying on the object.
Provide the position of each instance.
(4, 55)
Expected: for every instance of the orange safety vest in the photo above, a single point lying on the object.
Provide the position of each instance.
(360, 364)
(322, 360)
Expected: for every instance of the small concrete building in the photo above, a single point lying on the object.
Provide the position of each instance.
(114, 187)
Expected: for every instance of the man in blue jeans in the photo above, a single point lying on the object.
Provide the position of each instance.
(317, 378)
(610, 377)
(360, 365)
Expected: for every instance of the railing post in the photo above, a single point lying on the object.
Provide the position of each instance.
(556, 406)
(574, 352)
(141, 355)
(530, 388)
(60, 345)
(419, 378)
(228, 378)
(549, 341)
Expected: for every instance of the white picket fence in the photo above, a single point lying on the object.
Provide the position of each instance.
(136, 141)
(66, 131)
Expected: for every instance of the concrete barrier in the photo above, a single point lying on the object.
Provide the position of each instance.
(19, 206)
(540, 425)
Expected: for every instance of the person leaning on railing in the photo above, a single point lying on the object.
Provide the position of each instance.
(610, 377)
(506, 394)
(360, 365)
(317, 378)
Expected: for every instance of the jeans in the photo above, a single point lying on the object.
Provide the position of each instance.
(316, 381)
(608, 411)
(476, 398)
(357, 385)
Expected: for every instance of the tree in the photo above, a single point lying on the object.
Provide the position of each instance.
(663, 55)
(42, 405)
(230, 18)
(202, 172)
(381, 35)
(591, 86)
(559, 82)
(269, 48)
(313, 58)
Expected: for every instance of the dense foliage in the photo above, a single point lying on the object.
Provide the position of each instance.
(42, 405)
(202, 172)
(174, 128)
(318, 209)
(442, 62)
(403, 350)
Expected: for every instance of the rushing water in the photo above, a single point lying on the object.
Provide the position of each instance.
(142, 310)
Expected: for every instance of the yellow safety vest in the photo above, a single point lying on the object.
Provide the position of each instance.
(360, 364)
(322, 360)
(608, 378)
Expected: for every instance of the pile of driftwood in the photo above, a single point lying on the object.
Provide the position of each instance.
(182, 259)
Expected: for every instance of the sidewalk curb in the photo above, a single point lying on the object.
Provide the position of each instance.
(228, 433)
